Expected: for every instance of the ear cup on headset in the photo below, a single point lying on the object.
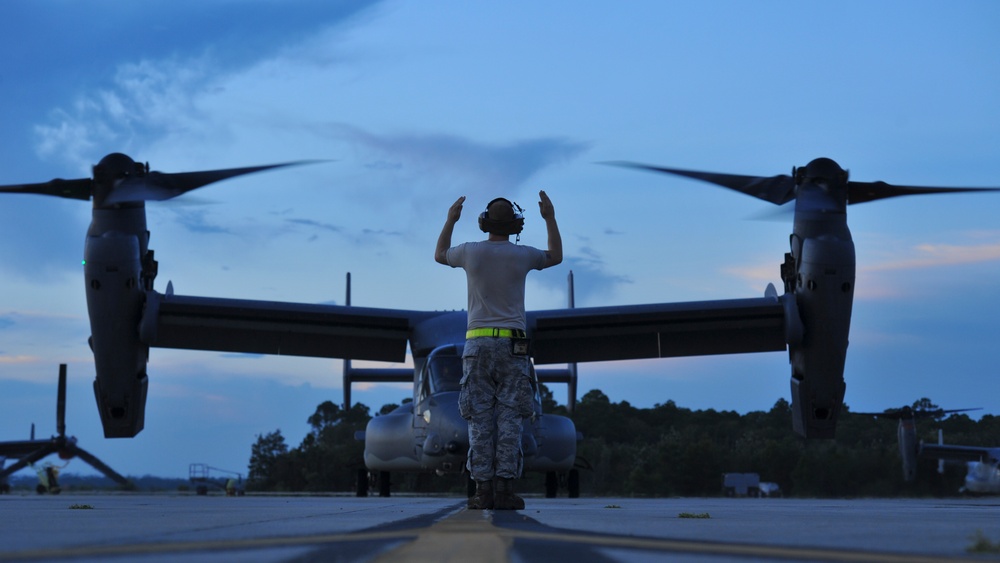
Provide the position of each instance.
(499, 222)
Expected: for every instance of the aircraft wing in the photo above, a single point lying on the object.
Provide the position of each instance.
(268, 327)
(658, 330)
(959, 453)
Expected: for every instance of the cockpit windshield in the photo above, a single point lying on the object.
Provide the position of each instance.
(446, 372)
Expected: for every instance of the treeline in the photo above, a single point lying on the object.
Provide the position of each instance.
(77, 483)
(661, 451)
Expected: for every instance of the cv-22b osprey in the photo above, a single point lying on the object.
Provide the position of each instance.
(810, 320)
(982, 475)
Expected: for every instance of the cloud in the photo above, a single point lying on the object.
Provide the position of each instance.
(317, 225)
(158, 86)
(435, 162)
(936, 255)
(196, 222)
(757, 276)
(8, 360)
(591, 283)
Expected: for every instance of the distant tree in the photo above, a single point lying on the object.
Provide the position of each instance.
(329, 454)
(327, 414)
(387, 408)
(265, 457)
(549, 403)
(660, 451)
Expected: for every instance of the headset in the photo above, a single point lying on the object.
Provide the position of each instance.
(505, 226)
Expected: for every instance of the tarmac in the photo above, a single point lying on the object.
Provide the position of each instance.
(152, 528)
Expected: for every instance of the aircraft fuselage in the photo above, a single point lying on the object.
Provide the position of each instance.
(429, 434)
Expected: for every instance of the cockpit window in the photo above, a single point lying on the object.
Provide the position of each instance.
(446, 373)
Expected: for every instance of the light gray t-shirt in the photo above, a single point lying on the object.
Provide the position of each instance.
(496, 271)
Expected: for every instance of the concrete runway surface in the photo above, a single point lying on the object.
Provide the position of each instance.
(170, 527)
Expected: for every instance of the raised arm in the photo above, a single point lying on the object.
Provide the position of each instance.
(444, 239)
(555, 251)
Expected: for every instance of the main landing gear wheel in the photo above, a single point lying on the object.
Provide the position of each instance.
(361, 488)
(573, 483)
(383, 483)
(551, 484)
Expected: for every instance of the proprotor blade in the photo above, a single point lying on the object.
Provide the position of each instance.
(97, 464)
(775, 189)
(158, 186)
(861, 192)
(72, 189)
(909, 413)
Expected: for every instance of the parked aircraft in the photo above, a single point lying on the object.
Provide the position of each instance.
(28, 452)
(982, 476)
(428, 434)
(983, 463)
(818, 274)
(128, 316)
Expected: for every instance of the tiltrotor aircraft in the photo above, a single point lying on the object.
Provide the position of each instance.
(28, 452)
(128, 316)
(983, 463)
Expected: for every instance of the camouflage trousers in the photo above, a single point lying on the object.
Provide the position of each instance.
(496, 397)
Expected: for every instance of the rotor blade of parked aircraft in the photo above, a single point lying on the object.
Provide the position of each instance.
(72, 189)
(159, 186)
(96, 463)
(775, 189)
(861, 192)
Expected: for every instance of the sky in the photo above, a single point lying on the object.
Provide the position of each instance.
(410, 105)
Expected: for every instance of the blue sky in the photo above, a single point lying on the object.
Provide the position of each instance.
(413, 104)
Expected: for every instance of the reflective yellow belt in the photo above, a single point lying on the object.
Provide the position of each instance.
(495, 332)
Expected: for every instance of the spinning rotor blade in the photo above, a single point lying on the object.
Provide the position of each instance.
(72, 189)
(861, 192)
(781, 189)
(119, 179)
(157, 186)
(775, 189)
(909, 413)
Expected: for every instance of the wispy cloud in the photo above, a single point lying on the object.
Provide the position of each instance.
(437, 161)
(197, 221)
(9, 360)
(871, 282)
(146, 101)
(757, 276)
(930, 255)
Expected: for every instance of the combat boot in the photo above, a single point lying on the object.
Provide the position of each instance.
(483, 499)
(504, 497)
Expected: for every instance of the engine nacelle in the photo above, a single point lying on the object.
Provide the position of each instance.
(824, 293)
(115, 297)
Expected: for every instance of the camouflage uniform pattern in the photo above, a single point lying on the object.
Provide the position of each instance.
(496, 397)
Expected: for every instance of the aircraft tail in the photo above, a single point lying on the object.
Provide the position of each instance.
(940, 443)
(352, 374)
(571, 384)
(347, 361)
